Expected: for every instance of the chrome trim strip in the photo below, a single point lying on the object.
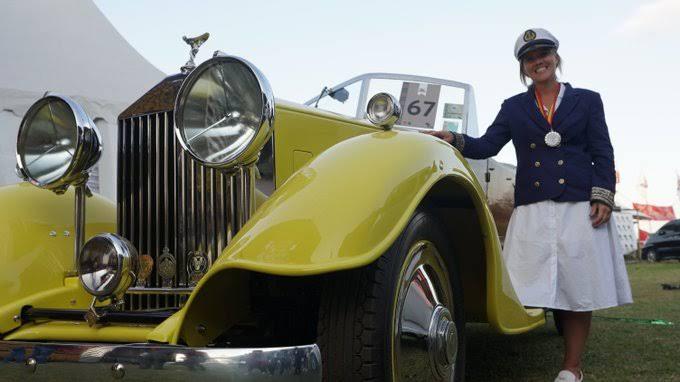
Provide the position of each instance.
(181, 280)
(182, 232)
(160, 291)
(145, 362)
(166, 160)
(149, 187)
(140, 187)
(120, 166)
(157, 155)
(133, 195)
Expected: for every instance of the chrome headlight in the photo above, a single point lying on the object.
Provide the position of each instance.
(383, 110)
(57, 143)
(224, 112)
(107, 265)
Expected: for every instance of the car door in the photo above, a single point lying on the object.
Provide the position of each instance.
(672, 237)
(663, 238)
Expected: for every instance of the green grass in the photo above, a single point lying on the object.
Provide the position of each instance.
(618, 350)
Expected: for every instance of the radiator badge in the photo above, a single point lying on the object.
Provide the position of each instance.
(145, 268)
(167, 267)
(197, 265)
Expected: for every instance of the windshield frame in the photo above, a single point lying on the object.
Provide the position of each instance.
(469, 122)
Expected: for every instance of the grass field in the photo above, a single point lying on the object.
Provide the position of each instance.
(619, 349)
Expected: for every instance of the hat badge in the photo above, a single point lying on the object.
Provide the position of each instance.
(529, 35)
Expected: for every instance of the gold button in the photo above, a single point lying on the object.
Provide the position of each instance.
(560, 162)
(561, 181)
(533, 145)
(537, 164)
(537, 184)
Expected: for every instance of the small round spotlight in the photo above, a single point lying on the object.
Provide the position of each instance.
(383, 110)
(107, 265)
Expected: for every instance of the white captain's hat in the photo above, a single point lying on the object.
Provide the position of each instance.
(532, 39)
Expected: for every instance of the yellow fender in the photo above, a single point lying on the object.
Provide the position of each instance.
(36, 248)
(343, 210)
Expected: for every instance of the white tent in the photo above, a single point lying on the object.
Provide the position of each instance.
(67, 47)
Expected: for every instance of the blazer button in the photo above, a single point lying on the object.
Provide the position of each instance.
(537, 164)
(560, 162)
(533, 145)
(561, 181)
(537, 184)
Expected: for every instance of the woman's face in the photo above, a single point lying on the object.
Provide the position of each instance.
(540, 65)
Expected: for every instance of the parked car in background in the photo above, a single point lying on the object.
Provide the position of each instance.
(664, 244)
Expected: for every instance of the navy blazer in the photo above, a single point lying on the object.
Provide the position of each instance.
(580, 169)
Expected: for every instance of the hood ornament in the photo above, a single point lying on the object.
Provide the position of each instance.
(194, 43)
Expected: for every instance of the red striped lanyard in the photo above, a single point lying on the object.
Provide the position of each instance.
(551, 112)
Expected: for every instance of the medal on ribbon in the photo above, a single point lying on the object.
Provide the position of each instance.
(552, 137)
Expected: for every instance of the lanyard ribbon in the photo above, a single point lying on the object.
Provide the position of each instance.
(551, 112)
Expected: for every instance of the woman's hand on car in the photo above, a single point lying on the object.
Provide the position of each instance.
(443, 134)
(599, 214)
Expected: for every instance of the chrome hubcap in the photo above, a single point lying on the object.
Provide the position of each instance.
(425, 338)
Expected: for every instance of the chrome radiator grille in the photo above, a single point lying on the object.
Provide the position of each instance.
(170, 206)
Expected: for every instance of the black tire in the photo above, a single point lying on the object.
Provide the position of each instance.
(357, 309)
(652, 257)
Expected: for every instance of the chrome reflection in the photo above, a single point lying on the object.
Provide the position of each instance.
(152, 362)
(108, 265)
(224, 112)
(425, 332)
(57, 143)
(383, 110)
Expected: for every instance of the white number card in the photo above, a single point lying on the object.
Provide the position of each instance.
(418, 104)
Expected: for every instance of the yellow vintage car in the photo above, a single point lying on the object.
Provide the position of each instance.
(253, 238)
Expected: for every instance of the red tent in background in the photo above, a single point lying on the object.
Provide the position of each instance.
(656, 212)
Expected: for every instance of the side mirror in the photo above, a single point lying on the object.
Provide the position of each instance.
(662, 233)
(339, 95)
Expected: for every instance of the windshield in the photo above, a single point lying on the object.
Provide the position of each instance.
(426, 103)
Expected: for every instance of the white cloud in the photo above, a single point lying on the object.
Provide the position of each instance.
(656, 16)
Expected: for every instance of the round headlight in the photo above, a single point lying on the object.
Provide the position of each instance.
(57, 143)
(224, 112)
(107, 265)
(383, 110)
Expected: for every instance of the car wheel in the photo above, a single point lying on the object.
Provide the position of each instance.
(652, 257)
(400, 318)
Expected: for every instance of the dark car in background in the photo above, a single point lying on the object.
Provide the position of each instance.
(664, 244)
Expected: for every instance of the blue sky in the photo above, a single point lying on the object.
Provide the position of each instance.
(626, 50)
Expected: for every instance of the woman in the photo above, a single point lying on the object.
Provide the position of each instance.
(561, 248)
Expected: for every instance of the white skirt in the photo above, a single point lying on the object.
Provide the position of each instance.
(556, 259)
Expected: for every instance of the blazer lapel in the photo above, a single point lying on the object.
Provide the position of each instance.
(529, 104)
(569, 101)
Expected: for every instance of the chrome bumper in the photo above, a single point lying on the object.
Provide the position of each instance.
(149, 362)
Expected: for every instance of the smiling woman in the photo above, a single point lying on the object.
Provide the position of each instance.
(559, 248)
(531, 58)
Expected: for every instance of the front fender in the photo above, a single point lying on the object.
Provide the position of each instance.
(37, 248)
(343, 210)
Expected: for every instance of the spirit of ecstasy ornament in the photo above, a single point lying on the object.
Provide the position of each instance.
(194, 43)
